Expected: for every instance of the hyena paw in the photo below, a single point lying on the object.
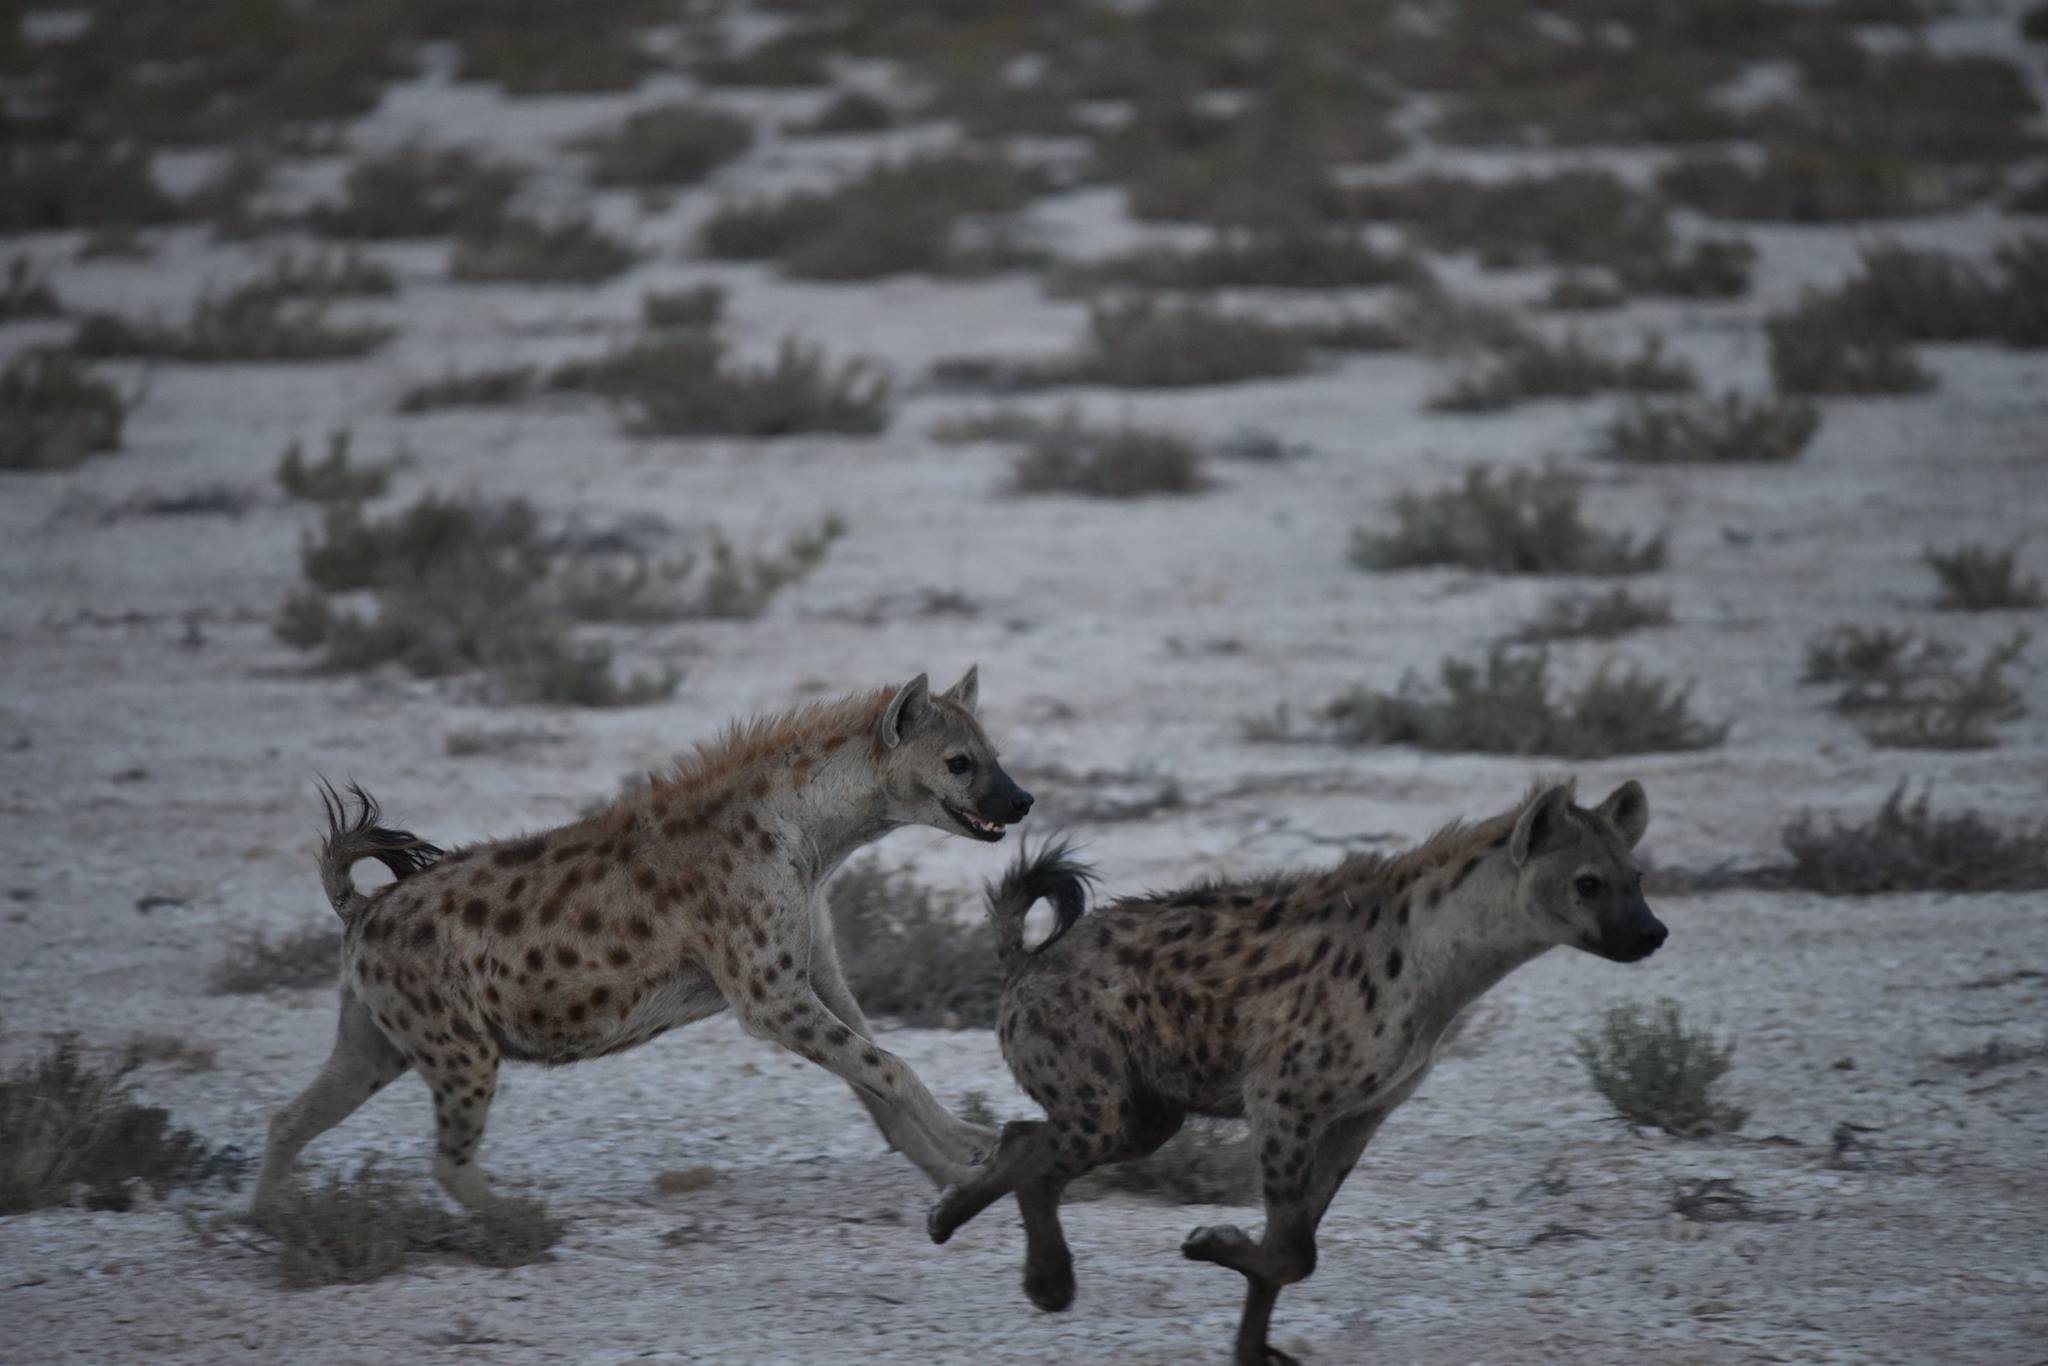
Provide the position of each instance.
(1050, 1284)
(942, 1219)
(1213, 1243)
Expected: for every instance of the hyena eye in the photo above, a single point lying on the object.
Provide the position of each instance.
(1587, 885)
(959, 763)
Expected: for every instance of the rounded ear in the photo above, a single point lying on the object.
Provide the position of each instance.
(905, 710)
(968, 690)
(1541, 822)
(1627, 809)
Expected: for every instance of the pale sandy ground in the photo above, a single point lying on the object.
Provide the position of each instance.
(156, 741)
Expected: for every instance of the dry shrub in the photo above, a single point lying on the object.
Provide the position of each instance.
(1907, 847)
(1724, 430)
(54, 412)
(1655, 1071)
(1522, 522)
(907, 957)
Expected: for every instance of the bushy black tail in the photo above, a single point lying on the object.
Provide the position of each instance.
(1052, 874)
(352, 838)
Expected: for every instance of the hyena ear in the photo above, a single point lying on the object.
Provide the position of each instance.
(905, 712)
(968, 690)
(1540, 823)
(1627, 809)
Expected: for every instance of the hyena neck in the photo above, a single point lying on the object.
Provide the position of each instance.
(1461, 948)
(830, 810)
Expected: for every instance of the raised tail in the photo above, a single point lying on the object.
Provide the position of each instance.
(354, 837)
(1051, 874)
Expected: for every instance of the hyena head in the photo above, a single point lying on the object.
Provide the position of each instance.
(938, 767)
(1576, 878)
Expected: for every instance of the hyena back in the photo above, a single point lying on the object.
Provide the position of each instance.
(704, 892)
(1310, 1005)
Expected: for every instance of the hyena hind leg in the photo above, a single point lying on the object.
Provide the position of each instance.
(362, 1063)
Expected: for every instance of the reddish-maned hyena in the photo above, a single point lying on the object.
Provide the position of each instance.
(1310, 1004)
(702, 892)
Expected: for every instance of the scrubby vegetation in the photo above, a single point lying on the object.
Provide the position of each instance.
(1956, 707)
(79, 185)
(472, 389)
(1264, 258)
(1977, 578)
(907, 956)
(255, 322)
(897, 217)
(348, 1232)
(1124, 461)
(1655, 1071)
(54, 412)
(1505, 705)
(1522, 522)
(1594, 616)
(690, 306)
(1534, 368)
(849, 111)
(1724, 430)
(26, 293)
(1907, 847)
(1143, 343)
(70, 1128)
(683, 383)
(310, 957)
(419, 192)
(572, 250)
(671, 144)
(1822, 348)
(334, 478)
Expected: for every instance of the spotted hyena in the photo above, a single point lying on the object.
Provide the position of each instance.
(699, 894)
(1310, 1004)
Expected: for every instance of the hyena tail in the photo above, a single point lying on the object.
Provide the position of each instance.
(352, 837)
(1051, 874)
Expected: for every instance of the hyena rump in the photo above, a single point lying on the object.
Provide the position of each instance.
(1309, 1004)
(699, 894)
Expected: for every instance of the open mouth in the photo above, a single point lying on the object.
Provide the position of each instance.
(990, 831)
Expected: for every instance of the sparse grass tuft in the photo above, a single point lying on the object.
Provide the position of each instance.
(333, 479)
(1504, 706)
(1906, 847)
(251, 323)
(1877, 666)
(419, 192)
(906, 957)
(54, 412)
(850, 111)
(1594, 616)
(1655, 1071)
(1523, 522)
(475, 389)
(1534, 368)
(1804, 184)
(690, 306)
(1960, 707)
(84, 185)
(325, 275)
(1207, 1163)
(1146, 344)
(27, 293)
(683, 383)
(66, 1124)
(994, 424)
(573, 250)
(1124, 461)
(354, 1231)
(672, 144)
(896, 217)
(1270, 259)
(307, 958)
(1730, 429)
(1976, 578)
(1820, 347)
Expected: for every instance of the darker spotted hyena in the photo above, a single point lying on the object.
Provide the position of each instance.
(1309, 1004)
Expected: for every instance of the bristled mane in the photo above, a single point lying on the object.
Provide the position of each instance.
(743, 743)
(1451, 843)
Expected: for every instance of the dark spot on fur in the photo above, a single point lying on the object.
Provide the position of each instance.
(510, 919)
(475, 912)
(525, 851)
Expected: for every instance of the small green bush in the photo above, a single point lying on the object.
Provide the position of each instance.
(1124, 461)
(1594, 616)
(419, 192)
(1822, 348)
(906, 957)
(671, 144)
(251, 323)
(1535, 368)
(1959, 707)
(1655, 1071)
(573, 250)
(54, 412)
(82, 185)
(475, 389)
(1523, 522)
(1505, 706)
(684, 384)
(1145, 344)
(332, 479)
(307, 958)
(1729, 429)
(66, 1124)
(1906, 847)
(1876, 666)
(690, 306)
(1976, 578)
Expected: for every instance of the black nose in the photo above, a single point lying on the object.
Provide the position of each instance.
(1020, 804)
(1650, 936)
